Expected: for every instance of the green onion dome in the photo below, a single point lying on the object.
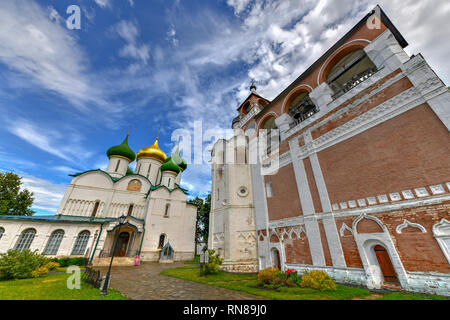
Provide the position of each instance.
(122, 150)
(179, 160)
(170, 165)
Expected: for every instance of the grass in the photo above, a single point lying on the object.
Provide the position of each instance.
(195, 261)
(248, 283)
(52, 287)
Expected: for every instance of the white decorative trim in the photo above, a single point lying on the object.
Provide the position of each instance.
(437, 189)
(441, 231)
(335, 207)
(352, 204)
(395, 196)
(421, 192)
(365, 216)
(372, 201)
(382, 198)
(395, 106)
(362, 203)
(407, 194)
(343, 228)
(344, 205)
(406, 224)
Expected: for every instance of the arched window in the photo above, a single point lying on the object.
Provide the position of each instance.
(25, 240)
(301, 108)
(81, 243)
(246, 108)
(162, 239)
(166, 212)
(350, 71)
(51, 249)
(134, 185)
(94, 211)
(272, 136)
(2, 231)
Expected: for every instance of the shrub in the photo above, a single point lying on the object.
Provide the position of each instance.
(52, 266)
(318, 280)
(213, 264)
(39, 272)
(65, 262)
(20, 264)
(267, 276)
(293, 277)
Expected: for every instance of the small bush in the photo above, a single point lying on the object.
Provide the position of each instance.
(52, 266)
(39, 272)
(213, 265)
(318, 280)
(20, 264)
(65, 262)
(267, 276)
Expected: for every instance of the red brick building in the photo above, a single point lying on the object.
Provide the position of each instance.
(361, 183)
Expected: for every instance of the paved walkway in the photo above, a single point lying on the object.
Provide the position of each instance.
(146, 283)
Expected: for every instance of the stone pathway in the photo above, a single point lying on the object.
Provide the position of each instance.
(146, 283)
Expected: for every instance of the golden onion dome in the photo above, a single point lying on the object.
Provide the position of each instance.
(152, 152)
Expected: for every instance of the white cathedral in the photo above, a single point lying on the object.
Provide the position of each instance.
(149, 201)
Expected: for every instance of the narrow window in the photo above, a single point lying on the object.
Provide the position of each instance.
(166, 212)
(51, 249)
(269, 189)
(139, 169)
(169, 182)
(2, 231)
(130, 209)
(148, 172)
(81, 243)
(162, 238)
(217, 195)
(117, 166)
(94, 212)
(25, 240)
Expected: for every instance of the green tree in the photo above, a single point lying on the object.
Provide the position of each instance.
(202, 226)
(13, 200)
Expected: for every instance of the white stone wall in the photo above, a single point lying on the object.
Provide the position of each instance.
(14, 228)
(143, 165)
(121, 170)
(178, 225)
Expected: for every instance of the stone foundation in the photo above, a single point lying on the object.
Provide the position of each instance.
(236, 267)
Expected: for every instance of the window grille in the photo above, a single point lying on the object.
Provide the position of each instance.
(51, 249)
(25, 240)
(81, 243)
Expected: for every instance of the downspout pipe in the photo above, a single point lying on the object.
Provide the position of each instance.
(96, 243)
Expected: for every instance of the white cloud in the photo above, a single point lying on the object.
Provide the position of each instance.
(45, 51)
(130, 33)
(103, 3)
(47, 195)
(67, 146)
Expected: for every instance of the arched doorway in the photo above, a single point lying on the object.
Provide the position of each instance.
(276, 259)
(122, 244)
(387, 269)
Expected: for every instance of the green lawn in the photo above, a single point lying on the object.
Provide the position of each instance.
(52, 287)
(195, 261)
(247, 283)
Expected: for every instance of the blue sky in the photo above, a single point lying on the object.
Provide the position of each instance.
(66, 96)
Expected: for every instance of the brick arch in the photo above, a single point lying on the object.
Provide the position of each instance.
(266, 117)
(344, 50)
(293, 94)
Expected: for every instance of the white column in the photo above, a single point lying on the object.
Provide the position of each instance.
(311, 225)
